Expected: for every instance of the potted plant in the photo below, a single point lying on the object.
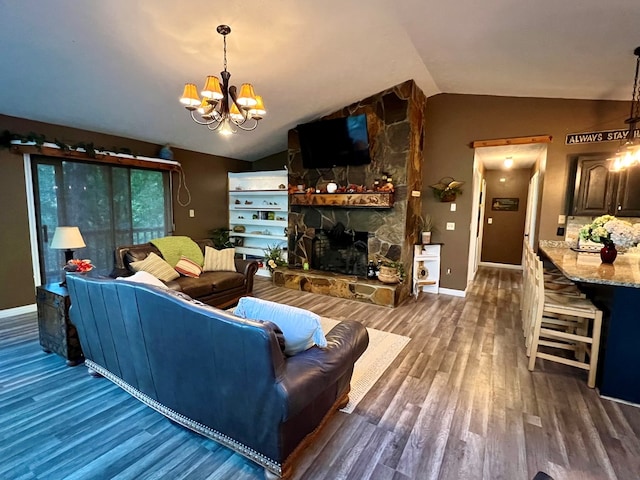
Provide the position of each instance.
(447, 189)
(425, 227)
(391, 272)
(273, 257)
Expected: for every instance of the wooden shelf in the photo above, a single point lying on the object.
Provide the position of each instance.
(344, 200)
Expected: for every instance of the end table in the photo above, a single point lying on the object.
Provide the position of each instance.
(57, 333)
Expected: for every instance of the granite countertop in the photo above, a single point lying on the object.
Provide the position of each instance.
(587, 267)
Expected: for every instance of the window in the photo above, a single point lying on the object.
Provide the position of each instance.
(112, 205)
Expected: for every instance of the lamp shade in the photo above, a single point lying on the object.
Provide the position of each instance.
(258, 110)
(247, 97)
(67, 238)
(212, 88)
(190, 97)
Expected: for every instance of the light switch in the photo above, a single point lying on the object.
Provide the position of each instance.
(562, 219)
(451, 226)
(489, 220)
(192, 213)
(453, 207)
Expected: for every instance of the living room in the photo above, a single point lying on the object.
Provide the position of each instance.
(452, 122)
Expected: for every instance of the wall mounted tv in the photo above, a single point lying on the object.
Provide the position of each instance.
(335, 142)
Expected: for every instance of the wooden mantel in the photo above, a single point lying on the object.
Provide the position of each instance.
(343, 200)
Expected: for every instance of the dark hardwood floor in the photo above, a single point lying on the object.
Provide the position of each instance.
(457, 403)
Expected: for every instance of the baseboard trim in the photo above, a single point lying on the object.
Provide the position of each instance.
(508, 266)
(452, 292)
(10, 312)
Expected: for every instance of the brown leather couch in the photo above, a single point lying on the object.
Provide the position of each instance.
(218, 289)
(222, 376)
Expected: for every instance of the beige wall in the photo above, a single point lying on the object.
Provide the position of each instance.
(206, 177)
(502, 238)
(454, 121)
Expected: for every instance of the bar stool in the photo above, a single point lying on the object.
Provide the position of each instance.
(563, 322)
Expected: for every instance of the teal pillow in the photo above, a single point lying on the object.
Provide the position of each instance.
(301, 328)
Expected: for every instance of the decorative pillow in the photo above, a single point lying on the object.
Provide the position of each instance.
(144, 277)
(157, 267)
(219, 260)
(188, 267)
(301, 328)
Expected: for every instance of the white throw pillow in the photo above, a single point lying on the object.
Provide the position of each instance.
(144, 277)
(301, 328)
(219, 260)
(157, 267)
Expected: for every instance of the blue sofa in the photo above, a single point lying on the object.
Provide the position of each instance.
(222, 376)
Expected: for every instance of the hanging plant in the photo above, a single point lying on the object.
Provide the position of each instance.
(447, 189)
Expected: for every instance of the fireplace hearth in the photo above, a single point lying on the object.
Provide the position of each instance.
(340, 250)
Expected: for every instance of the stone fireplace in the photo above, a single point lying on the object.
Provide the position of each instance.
(387, 229)
(340, 250)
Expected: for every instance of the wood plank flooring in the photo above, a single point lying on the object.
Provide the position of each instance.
(457, 403)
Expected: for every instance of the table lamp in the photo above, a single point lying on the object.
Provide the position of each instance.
(67, 239)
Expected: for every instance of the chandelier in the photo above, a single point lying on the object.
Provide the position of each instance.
(221, 107)
(628, 154)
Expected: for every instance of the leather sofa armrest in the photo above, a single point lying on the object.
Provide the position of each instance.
(307, 374)
(248, 268)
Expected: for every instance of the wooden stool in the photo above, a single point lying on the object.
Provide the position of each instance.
(564, 322)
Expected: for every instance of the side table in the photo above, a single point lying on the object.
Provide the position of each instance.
(57, 334)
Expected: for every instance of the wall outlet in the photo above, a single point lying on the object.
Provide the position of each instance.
(192, 213)
(490, 221)
(415, 193)
(448, 271)
(451, 226)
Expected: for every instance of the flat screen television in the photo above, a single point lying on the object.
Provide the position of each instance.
(335, 142)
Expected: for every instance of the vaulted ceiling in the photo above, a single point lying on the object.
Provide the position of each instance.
(119, 66)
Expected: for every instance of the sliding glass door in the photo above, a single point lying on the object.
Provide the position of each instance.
(112, 206)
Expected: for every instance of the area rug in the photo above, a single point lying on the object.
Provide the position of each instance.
(383, 349)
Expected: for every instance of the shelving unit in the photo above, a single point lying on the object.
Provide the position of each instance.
(258, 202)
(429, 262)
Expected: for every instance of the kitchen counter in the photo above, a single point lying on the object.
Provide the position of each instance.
(615, 289)
(587, 267)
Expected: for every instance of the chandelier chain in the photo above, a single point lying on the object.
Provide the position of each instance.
(634, 116)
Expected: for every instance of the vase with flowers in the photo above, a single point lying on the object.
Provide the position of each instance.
(611, 232)
(274, 257)
(76, 266)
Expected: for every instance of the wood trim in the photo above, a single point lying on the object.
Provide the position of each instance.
(501, 142)
(110, 158)
(348, 200)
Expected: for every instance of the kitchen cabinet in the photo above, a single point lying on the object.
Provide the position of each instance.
(599, 191)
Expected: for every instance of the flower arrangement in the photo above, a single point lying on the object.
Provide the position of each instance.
(274, 257)
(80, 266)
(608, 229)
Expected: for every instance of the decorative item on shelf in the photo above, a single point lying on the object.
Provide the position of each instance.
(166, 153)
(608, 253)
(222, 107)
(447, 189)
(332, 187)
(628, 154)
(282, 186)
(421, 271)
(371, 271)
(67, 239)
(239, 229)
(273, 256)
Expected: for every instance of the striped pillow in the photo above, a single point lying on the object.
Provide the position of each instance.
(219, 260)
(157, 267)
(188, 267)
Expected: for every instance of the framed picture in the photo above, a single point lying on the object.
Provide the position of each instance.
(505, 204)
